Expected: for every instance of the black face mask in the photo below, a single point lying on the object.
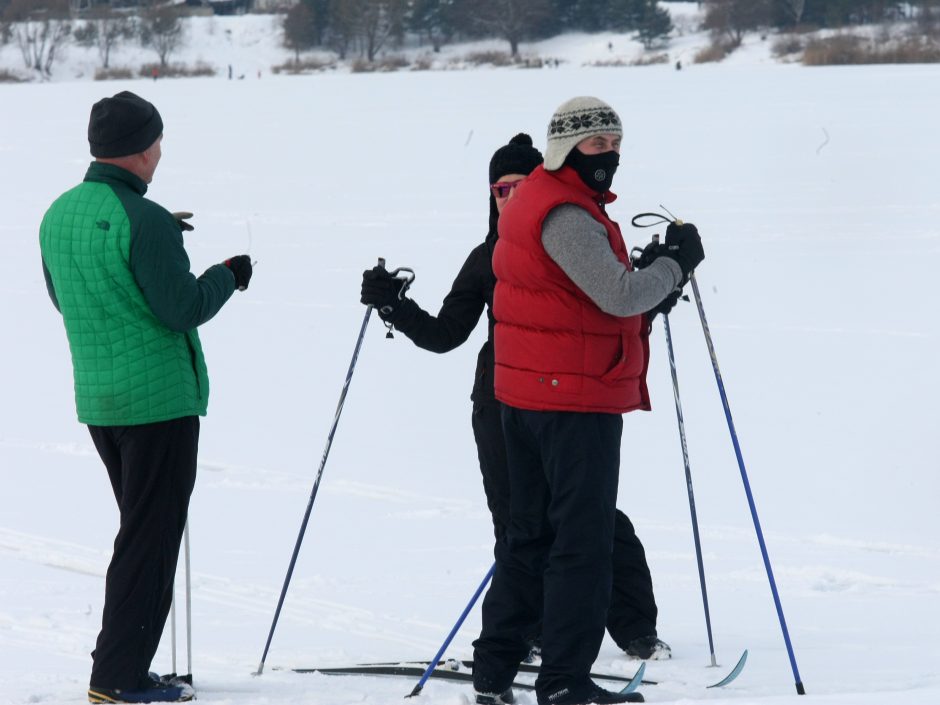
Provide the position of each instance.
(595, 170)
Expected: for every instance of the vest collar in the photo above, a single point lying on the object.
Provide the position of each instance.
(570, 178)
(112, 174)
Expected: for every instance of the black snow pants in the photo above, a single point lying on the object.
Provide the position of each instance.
(152, 468)
(555, 561)
(633, 610)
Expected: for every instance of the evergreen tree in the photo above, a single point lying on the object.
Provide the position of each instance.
(301, 29)
(654, 25)
(432, 20)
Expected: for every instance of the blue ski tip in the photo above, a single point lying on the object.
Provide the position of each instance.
(637, 679)
(735, 672)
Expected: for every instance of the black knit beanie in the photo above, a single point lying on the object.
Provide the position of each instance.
(122, 125)
(517, 157)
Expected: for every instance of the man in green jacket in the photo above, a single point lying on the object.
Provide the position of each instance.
(116, 269)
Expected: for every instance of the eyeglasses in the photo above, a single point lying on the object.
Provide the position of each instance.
(501, 189)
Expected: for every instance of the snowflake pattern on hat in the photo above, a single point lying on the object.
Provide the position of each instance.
(573, 123)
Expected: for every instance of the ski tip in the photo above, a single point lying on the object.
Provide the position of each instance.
(635, 681)
(735, 672)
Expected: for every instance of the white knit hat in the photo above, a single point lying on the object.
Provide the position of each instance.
(574, 120)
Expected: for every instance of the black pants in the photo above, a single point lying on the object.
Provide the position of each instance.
(633, 610)
(152, 468)
(555, 561)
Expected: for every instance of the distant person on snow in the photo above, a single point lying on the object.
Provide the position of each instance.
(631, 620)
(571, 346)
(116, 269)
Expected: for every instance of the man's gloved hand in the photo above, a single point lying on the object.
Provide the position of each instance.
(181, 218)
(684, 245)
(380, 289)
(665, 306)
(653, 250)
(241, 268)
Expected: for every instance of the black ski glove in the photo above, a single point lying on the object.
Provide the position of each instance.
(665, 306)
(684, 245)
(648, 254)
(241, 268)
(381, 290)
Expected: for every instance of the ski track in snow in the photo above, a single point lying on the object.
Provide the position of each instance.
(71, 449)
(237, 594)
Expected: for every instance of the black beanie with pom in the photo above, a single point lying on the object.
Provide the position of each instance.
(517, 157)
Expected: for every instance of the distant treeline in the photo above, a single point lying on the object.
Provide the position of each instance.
(367, 26)
(364, 28)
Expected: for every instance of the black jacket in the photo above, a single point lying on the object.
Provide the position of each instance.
(471, 291)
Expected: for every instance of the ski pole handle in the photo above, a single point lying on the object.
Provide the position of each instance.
(381, 263)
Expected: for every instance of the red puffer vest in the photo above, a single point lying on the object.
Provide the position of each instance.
(555, 349)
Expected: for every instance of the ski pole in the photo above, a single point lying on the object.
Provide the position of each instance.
(316, 484)
(688, 482)
(189, 611)
(173, 632)
(453, 633)
(747, 486)
(188, 678)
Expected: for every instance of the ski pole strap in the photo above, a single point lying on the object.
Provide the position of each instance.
(405, 275)
(656, 219)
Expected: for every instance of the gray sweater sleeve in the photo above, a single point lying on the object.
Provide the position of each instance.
(578, 244)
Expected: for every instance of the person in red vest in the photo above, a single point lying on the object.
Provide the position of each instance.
(572, 349)
(631, 620)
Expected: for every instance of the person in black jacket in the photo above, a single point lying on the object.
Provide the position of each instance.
(631, 620)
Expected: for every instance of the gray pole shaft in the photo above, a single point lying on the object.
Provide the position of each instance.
(189, 605)
(173, 633)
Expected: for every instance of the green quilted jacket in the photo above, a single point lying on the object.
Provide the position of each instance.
(116, 269)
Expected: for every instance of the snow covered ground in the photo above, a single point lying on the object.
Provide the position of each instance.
(815, 192)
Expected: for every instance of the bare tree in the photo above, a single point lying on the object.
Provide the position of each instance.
(379, 20)
(40, 28)
(104, 28)
(512, 20)
(4, 27)
(928, 16)
(162, 31)
(732, 18)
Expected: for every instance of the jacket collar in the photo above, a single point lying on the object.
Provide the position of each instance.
(570, 178)
(114, 175)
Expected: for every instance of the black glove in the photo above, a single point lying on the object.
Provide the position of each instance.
(182, 219)
(649, 254)
(665, 306)
(241, 268)
(381, 290)
(684, 245)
